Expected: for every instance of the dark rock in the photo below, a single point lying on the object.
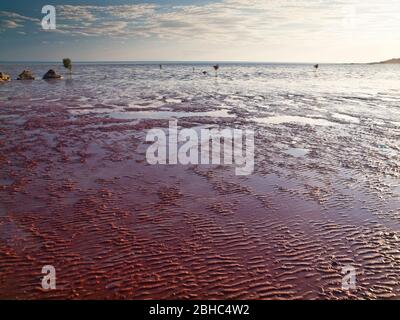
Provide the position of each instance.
(51, 74)
(4, 77)
(26, 75)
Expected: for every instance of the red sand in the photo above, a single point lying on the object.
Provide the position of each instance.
(77, 194)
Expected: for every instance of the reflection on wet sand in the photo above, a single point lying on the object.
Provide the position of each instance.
(76, 192)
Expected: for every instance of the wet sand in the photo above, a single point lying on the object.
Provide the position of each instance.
(76, 192)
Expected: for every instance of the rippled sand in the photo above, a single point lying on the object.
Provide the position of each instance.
(76, 191)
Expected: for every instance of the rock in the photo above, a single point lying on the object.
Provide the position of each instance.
(4, 77)
(26, 75)
(51, 74)
(391, 61)
(334, 263)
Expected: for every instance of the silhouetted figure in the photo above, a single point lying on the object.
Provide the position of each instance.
(160, 66)
(316, 66)
(204, 72)
(216, 67)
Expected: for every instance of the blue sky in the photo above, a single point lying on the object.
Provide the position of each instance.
(203, 30)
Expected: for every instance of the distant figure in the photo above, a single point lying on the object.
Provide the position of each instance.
(216, 67)
(193, 69)
(160, 66)
(204, 72)
(316, 66)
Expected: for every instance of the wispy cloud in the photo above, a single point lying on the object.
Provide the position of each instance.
(226, 20)
(12, 20)
(17, 17)
(245, 25)
(10, 24)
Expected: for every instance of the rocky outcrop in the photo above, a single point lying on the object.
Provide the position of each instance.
(391, 61)
(51, 74)
(4, 77)
(26, 75)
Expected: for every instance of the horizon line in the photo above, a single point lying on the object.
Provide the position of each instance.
(181, 61)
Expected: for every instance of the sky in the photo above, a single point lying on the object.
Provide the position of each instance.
(202, 30)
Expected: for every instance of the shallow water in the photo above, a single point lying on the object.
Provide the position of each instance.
(76, 192)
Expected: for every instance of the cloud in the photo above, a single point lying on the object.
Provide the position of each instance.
(225, 21)
(16, 16)
(10, 24)
(12, 20)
